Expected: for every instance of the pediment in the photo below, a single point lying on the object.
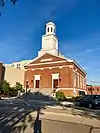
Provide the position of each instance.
(47, 58)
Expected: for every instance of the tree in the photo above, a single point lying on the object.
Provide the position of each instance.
(19, 86)
(5, 87)
(3, 2)
(6, 90)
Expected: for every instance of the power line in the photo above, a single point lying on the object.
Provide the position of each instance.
(93, 81)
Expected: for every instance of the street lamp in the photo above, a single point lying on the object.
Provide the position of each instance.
(26, 88)
(26, 85)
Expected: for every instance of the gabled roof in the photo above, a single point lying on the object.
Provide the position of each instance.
(61, 57)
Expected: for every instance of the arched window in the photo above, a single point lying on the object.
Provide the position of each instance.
(48, 29)
(51, 29)
(54, 31)
(97, 89)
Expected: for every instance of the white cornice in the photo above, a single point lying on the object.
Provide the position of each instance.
(68, 66)
(60, 67)
(50, 67)
(46, 63)
(42, 68)
(79, 66)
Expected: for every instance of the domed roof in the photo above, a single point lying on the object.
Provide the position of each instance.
(50, 23)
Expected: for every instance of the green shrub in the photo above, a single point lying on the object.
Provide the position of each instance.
(13, 91)
(60, 96)
(73, 99)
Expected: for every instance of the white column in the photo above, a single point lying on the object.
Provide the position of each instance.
(74, 81)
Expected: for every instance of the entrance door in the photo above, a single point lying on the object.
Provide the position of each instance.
(55, 83)
(37, 83)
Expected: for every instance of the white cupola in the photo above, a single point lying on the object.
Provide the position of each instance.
(50, 28)
(49, 40)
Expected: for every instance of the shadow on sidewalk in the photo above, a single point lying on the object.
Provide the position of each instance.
(82, 111)
(18, 122)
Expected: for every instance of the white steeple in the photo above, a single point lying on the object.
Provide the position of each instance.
(49, 40)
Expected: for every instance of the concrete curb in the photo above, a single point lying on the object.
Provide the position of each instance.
(93, 122)
(8, 98)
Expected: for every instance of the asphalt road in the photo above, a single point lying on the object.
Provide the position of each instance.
(18, 105)
(15, 105)
(15, 118)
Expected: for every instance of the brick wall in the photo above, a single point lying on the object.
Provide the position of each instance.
(65, 74)
(93, 90)
(65, 70)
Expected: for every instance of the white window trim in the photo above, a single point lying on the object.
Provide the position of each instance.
(53, 78)
(35, 79)
(38, 76)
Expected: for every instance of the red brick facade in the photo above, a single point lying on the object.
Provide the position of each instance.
(47, 65)
(93, 90)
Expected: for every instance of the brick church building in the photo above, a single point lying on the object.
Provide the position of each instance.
(51, 70)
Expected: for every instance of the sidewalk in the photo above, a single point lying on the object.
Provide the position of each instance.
(68, 117)
(75, 110)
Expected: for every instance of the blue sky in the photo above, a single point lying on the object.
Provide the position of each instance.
(78, 31)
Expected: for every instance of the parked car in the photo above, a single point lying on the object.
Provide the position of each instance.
(91, 101)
